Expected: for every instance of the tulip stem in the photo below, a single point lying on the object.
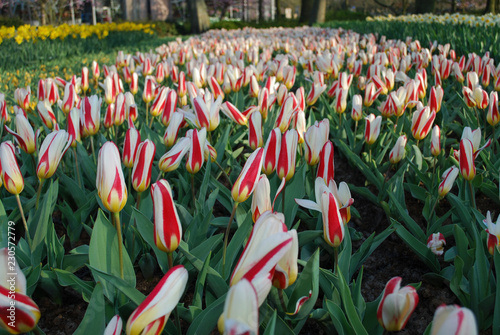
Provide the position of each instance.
(40, 185)
(224, 173)
(77, 169)
(226, 237)
(370, 153)
(192, 190)
(119, 233)
(151, 122)
(170, 260)
(283, 306)
(472, 196)
(336, 259)
(355, 131)
(92, 146)
(34, 162)
(283, 199)
(24, 219)
(147, 112)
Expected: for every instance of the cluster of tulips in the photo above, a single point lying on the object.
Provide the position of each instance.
(185, 87)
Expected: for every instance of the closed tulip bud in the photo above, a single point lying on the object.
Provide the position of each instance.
(159, 73)
(481, 98)
(159, 303)
(493, 115)
(285, 273)
(149, 89)
(398, 152)
(195, 159)
(436, 243)
(25, 135)
(171, 160)
(453, 319)
(315, 138)
(96, 73)
(261, 199)
(247, 180)
(91, 115)
(110, 182)
(288, 152)
(143, 162)
(357, 107)
(4, 114)
(254, 87)
(316, 90)
(11, 176)
(435, 98)
(170, 106)
(271, 151)
(209, 152)
(287, 111)
(14, 302)
(85, 79)
(299, 123)
(397, 305)
(40, 93)
(130, 145)
(255, 131)
(371, 94)
(326, 167)
(114, 326)
(109, 90)
(182, 89)
(467, 167)
(74, 126)
(53, 148)
(493, 230)
(46, 114)
(168, 228)
(447, 181)
(241, 310)
(215, 88)
(372, 129)
(127, 75)
(173, 128)
(159, 102)
(134, 83)
(233, 113)
(109, 117)
(69, 100)
(341, 100)
(22, 97)
(120, 111)
(436, 141)
(422, 121)
(201, 112)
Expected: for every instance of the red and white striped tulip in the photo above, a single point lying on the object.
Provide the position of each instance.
(46, 114)
(159, 303)
(148, 94)
(196, 158)
(110, 182)
(453, 319)
(372, 128)
(241, 310)
(247, 180)
(288, 153)
(436, 141)
(91, 115)
(171, 160)
(344, 199)
(233, 113)
(271, 151)
(357, 107)
(255, 139)
(114, 326)
(371, 94)
(109, 117)
(22, 97)
(143, 162)
(215, 88)
(398, 152)
(493, 115)
(315, 138)
(130, 145)
(182, 88)
(316, 90)
(173, 128)
(397, 305)
(74, 126)
(435, 98)
(436, 243)
(447, 180)
(84, 85)
(69, 99)
(4, 114)
(25, 136)
(120, 112)
(134, 83)
(493, 230)
(326, 167)
(286, 271)
(53, 148)
(254, 87)
(467, 166)
(19, 314)
(168, 228)
(96, 73)
(10, 173)
(170, 107)
(287, 111)
(159, 102)
(261, 198)
(421, 122)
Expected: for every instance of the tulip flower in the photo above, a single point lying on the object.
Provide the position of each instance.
(114, 326)
(159, 303)
(170, 107)
(11, 176)
(315, 138)
(195, 158)
(372, 129)
(159, 102)
(286, 271)
(120, 110)
(22, 97)
(19, 314)
(134, 83)
(261, 199)
(143, 162)
(357, 111)
(436, 141)
(271, 151)
(255, 139)
(130, 145)
(85, 79)
(91, 115)
(74, 126)
(109, 117)
(286, 161)
(453, 319)
(326, 167)
(448, 179)
(398, 152)
(4, 115)
(215, 88)
(287, 111)
(53, 148)
(436, 243)
(95, 70)
(371, 94)
(247, 180)
(46, 114)
(110, 182)
(182, 89)
(69, 99)
(493, 230)
(25, 135)
(467, 166)
(168, 228)
(435, 98)
(173, 128)
(493, 115)
(233, 113)
(397, 305)
(171, 160)
(422, 121)
(316, 90)
(241, 310)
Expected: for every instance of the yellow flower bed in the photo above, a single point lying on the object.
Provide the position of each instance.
(27, 32)
(487, 20)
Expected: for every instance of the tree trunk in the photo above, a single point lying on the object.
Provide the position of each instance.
(490, 7)
(425, 6)
(306, 11)
(453, 6)
(318, 12)
(278, 12)
(261, 10)
(199, 16)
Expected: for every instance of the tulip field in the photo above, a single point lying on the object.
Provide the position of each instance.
(308, 180)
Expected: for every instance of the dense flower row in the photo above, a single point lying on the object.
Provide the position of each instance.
(28, 33)
(487, 20)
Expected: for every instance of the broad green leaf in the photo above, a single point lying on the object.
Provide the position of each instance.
(207, 320)
(94, 321)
